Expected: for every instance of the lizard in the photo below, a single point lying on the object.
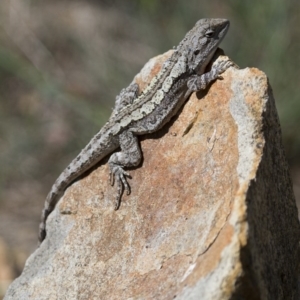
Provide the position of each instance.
(139, 113)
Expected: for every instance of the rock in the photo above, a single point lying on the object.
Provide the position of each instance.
(211, 214)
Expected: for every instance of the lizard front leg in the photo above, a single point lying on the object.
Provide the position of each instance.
(200, 82)
(126, 96)
(129, 156)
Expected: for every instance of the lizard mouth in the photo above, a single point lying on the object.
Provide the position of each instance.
(224, 29)
(222, 26)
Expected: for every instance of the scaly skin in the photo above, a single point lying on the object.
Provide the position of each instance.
(134, 114)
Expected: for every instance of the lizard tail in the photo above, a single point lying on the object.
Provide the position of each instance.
(57, 190)
(50, 203)
(87, 158)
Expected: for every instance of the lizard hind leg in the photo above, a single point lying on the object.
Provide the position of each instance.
(129, 156)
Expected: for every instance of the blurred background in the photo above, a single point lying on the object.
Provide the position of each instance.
(62, 62)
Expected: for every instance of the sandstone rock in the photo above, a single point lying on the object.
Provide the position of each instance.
(211, 214)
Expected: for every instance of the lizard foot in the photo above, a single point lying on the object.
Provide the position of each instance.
(118, 173)
(200, 82)
(220, 67)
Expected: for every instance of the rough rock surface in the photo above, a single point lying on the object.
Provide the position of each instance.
(211, 214)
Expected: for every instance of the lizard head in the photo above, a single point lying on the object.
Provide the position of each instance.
(202, 41)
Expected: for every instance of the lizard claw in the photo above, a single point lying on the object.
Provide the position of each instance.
(221, 67)
(118, 172)
(111, 177)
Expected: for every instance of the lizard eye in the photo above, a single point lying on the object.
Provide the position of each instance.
(196, 52)
(209, 33)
